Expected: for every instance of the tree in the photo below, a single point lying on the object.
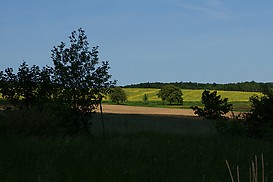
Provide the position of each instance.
(118, 95)
(75, 85)
(171, 94)
(80, 80)
(214, 106)
(145, 98)
(28, 87)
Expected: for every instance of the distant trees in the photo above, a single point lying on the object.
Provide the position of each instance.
(240, 86)
(118, 95)
(171, 94)
(214, 106)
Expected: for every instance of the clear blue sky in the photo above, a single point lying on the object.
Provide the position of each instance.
(148, 40)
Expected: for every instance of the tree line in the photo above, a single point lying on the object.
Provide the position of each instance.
(251, 86)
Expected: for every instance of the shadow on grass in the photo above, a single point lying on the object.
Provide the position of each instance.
(120, 124)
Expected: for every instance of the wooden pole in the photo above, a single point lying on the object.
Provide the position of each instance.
(102, 120)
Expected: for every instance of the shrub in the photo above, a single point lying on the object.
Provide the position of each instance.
(233, 127)
(30, 122)
(145, 98)
(259, 121)
(214, 106)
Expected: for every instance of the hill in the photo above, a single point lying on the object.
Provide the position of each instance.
(240, 86)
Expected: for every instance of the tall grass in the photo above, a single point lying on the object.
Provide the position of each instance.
(136, 148)
(253, 171)
(134, 157)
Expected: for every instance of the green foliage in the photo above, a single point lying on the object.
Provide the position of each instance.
(171, 94)
(259, 121)
(239, 100)
(71, 90)
(31, 122)
(214, 106)
(240, 86)
(118, 95)
(233, 127)
(29, 87)
(81, 82)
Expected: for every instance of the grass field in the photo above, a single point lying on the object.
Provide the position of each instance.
(136, 94)
(136, 148)
(240, 100)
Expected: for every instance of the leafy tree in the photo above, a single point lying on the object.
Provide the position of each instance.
(80, 81)
(118, 95)
(75, 85)
(9, 84)
(171, 94)
(45, 86)
(214, 106)
(27, 87)
(79, 78)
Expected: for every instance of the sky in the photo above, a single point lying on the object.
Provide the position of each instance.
(206, 41)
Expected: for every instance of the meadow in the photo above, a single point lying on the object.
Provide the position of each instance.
(136, 148)
(240, 100)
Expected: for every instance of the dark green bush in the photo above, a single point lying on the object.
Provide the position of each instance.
(118, 95)
(48, 122)
(233, 127)
(171, 94)
(259, 121)
(214, 106)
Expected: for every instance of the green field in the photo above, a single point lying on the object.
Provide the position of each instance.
(240, 100)
(136, 94)
(136, 148)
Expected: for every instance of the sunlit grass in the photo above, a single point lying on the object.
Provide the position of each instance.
(240, 100)
(136, 94)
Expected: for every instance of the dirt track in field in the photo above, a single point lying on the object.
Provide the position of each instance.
(120, 109)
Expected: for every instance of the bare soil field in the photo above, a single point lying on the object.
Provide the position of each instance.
(121, 109)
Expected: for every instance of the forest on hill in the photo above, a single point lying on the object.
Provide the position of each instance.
(240, 86)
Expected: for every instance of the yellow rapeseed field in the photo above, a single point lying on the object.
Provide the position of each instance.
(136, 94)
